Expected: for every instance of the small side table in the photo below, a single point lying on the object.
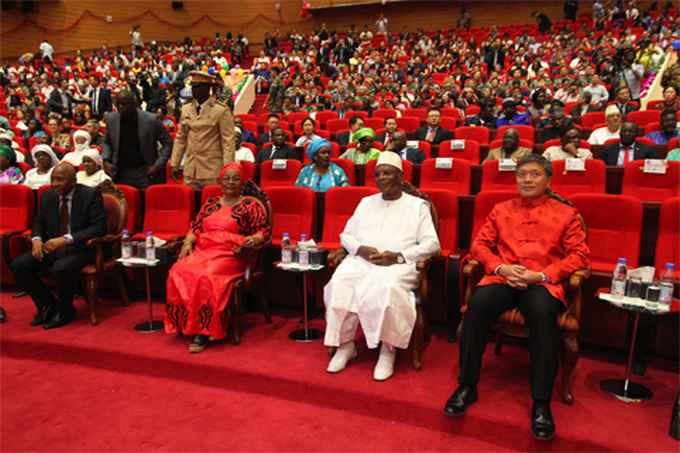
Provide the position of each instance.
(625, 389)
(306, 334)
(151, 325)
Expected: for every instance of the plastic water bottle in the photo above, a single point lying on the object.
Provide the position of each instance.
(619, 278)
(666, 285)
(286, 249)
(125, 245)
(150, 247)
(303, 253)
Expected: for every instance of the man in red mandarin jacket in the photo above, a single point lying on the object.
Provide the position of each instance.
(529, 246)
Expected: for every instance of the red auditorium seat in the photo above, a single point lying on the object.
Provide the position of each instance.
(672, 144)
(361, 113)
(523, 143)
(169, 209)
(293, 212)
(417, 113)
(593, 180)
(614, 227)
(644, 117)
(334, 125)
(652, 127)
(133, 198)
(479, 134)
(408, 123)
(369, 179)
(525, 133)
(493, 179)
(451, 113)
(448, 122)
(484, 203)
(456, 179)
(323, 116)
(668, 239)
(340, 203)
(591, 119)
(270, 176)
(250, 126)
(384, 113)
(293, 117)
(209, 191)
(469, 152)
(16, 214)
(248, 117)
(651, 187)
(425, 147)
(374, 123)
(446, 204)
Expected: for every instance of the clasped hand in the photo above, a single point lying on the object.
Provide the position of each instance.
(372, 255)
(518, 276)
(39, 249)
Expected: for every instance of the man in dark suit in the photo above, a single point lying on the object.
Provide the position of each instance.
(431, 132)
(494, 55)
(627, 150)
(400, 146)
(345, 138)
(101, 101)
(278, 150)
(136, 145)
(388, 136)
(60, 100)
(272, 124)
(69, 215)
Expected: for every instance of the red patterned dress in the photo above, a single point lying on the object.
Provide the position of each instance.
(199, 285)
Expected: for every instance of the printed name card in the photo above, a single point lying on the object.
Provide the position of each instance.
(457, 145)
(412, 143)
(279, 164)
(575, 164)
(655, 166)
(444, 163)
(507, 165)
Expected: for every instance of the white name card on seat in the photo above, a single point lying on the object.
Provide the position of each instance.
(412, 143)
(444, 163)
(279, 164)
(507, 165)
(655, 166)
(575, 164)
(457, 145)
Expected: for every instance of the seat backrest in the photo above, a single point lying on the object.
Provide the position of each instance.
(323, 116)
(568, 183)
(169, 209)
(668, 239)
(16, 207)
(115, 208)
(374, 123)
(470, 150)
(456, 179)
(385, 113)
(270, 176)
(417, 113)
(249, 169)
(446, 204)
(369, 172)
(448, 122)
(613, 225)
(335, 125)
(643, 117)
(493, 179)
(340, 203)
(293, 211)
(590, 119)
(650, 186)
(209, 191)
(484, 203)
(133, 201)
(479, 134)
(408, 123)
(525, 132)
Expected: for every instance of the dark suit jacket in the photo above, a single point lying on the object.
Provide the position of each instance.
(151, 133)
(489, 57)
(284, 152)
(104, 103)
(88, 219)
(441, 135)
(265, 137)
(414, 155)
(55, 103)
(610, 153)
(342, 139)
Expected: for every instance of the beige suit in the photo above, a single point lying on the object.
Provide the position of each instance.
(496, 153)
(206, 139)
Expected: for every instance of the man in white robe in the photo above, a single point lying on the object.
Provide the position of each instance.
(374, 285)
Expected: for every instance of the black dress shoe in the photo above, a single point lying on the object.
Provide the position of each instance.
(542, 424)
(461, 399)
(3, 315)
(58, 320)
(43, 315)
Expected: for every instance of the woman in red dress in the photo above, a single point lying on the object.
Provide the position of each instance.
(212, 258)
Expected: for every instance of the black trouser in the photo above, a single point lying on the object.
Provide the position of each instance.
(64, 265)
(540, 310)
(135, 177)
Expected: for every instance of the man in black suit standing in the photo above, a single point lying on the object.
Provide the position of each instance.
(60, 100)
(100, 98)
(136, 145)
(399, 145)
(279, 149)
(431, 132)
(69, 215)
(626, 150)
(355, 123)
(494, 55)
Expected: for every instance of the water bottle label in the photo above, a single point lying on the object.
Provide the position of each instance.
(666, 294)
(150, 254)
(286, 256)
(618, 287)
(303, 257)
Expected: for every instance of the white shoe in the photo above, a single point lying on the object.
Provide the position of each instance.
(343, 354)
(384, 369)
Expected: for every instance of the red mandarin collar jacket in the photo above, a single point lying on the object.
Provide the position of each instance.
(543, 235)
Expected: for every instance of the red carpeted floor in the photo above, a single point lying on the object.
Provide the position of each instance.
(109, 388)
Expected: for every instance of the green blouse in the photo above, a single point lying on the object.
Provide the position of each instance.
(674, 155)
(360, 158)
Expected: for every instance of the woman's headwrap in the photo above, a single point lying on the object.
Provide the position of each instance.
(93, 154)
(86, 135)
(315, 146)
(231, 165)
(8, 152)
(363, 133)
(47, 149)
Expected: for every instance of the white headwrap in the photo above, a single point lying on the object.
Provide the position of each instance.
(390, 158)
(86, 135)
(93, 154)
(45, 149)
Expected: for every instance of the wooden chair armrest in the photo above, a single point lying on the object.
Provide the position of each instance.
(335, 257)
(577, 278)
(470, 267)
(575, 286)
(107, 239)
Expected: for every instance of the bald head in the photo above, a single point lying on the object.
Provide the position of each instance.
(64, 177)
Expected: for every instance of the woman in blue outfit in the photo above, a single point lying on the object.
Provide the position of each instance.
(321, 174)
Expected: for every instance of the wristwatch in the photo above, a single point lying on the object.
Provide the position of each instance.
(400, 258)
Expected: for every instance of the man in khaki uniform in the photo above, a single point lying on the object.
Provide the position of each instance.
(205, 134)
